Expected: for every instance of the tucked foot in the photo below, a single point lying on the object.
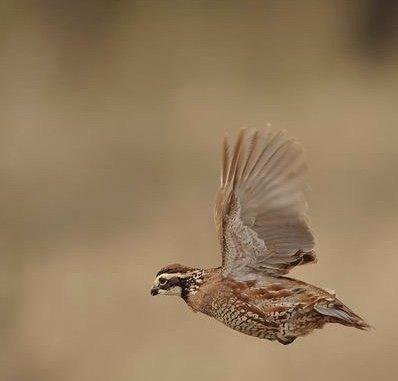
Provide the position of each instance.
(285, 340)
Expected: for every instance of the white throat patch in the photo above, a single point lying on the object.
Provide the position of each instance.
(176, 290)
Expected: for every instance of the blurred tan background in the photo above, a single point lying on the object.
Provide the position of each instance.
(112, 115)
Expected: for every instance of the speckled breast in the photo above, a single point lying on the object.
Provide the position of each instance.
(242, 317)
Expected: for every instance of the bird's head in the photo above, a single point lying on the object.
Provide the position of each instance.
(177, 280)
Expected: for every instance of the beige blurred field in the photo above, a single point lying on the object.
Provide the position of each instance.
(112, 114)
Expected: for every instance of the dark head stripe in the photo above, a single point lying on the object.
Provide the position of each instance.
(175, 268)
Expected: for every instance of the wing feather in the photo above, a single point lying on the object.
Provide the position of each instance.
(260, 209)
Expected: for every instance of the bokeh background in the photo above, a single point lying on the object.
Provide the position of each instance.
(112, 114)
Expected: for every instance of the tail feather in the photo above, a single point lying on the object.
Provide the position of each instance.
(339, 313)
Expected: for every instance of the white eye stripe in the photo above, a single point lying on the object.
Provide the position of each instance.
(163, 276)
(171, 275)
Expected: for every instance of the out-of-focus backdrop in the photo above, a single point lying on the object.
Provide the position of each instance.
(112, 114)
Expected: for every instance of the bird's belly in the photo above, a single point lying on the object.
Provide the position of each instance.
(272, 325)
(244, 318)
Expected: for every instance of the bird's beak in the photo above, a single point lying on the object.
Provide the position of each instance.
(154, 291)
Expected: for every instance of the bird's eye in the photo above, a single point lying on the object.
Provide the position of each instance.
(162, 281)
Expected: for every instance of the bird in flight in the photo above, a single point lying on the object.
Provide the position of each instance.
(263, 230)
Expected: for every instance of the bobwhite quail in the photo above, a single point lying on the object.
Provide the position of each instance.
(264, 232)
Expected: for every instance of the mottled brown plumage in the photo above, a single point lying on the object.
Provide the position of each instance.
(263, 232)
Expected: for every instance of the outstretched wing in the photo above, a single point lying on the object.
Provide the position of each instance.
(260, 209)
